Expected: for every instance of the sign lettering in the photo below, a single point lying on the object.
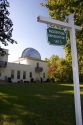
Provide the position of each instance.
(56, 36)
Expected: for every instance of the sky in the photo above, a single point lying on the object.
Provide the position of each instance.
(28, 32)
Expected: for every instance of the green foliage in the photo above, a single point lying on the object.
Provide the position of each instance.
(59, 9)
(59, 69)
(80, 57)
(5, 24)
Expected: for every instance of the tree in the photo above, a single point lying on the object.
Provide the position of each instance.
(52, 66)
(59, 69)
(80, 57)
(5, 24)
(60, 9)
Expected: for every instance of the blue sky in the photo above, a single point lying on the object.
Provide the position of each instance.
(27, 31)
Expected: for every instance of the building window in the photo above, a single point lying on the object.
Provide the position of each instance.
(43, 75)
(0, 74)
(37, 64)
(30, 74)
(12, 74)
(24, 75)
(18, 74)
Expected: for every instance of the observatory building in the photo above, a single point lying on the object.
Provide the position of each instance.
(29, 67)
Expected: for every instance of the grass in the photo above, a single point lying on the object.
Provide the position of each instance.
(37, 104)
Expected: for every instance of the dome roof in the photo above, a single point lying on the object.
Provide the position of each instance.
(30, 52)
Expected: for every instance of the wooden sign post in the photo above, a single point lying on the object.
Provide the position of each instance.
(70, 26)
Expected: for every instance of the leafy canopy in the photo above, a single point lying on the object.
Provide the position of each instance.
(5, 24)
(60, 9)
(59, 69)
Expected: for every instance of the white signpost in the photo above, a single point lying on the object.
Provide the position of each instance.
(70, 26)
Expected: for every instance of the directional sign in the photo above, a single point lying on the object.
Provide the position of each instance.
(56, 36)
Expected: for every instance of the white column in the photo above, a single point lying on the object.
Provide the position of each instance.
(75, 71)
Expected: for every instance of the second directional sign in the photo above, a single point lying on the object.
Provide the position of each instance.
(56, 36)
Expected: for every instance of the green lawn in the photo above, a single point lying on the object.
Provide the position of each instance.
(37, 104)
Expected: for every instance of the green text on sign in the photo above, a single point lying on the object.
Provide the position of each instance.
(56, 36)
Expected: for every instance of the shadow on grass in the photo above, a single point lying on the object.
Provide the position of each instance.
(37, 104)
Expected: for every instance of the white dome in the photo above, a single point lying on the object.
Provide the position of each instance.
(30, 52)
